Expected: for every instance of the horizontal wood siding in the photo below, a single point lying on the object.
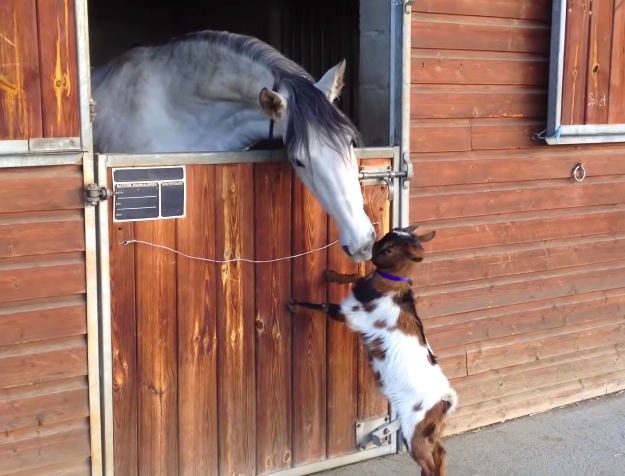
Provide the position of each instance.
(44, 399)
(212, 374)
(521, 291)
(38, 69)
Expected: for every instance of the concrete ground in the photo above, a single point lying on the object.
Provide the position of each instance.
(585, 439)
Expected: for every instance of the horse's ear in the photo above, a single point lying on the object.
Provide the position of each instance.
(331, 84)
(272, 104)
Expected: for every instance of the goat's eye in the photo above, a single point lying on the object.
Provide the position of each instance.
(299, 163)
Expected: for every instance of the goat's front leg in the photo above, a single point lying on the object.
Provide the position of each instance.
(332, 276)
(332, 310)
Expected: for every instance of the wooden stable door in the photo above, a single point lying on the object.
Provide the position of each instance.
(211, 373)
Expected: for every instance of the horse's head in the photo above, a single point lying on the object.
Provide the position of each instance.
(319, 142)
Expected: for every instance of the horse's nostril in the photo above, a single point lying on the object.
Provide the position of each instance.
(373, 235)
(346, 250)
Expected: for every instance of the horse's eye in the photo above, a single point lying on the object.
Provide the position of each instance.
(299, 163)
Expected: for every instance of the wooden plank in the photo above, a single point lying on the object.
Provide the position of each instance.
(197, 328)
(234, 224)
(541, 373)
(20, 95)
(436, 135)
(493, 167)
(62, 185)
(514, 406)
(272, 185)
(24, 234)
(51, 403)
(509, 321)
(435, 66)
(43, 446)
(499, 230)
(520, 9)
(371, 402)
(156, 348)
(455, 298)
(504, 133)
(42, 276)
(343, 350)
(68, 468)
(465, 201)
(599, 55)
(616, 108)
(523, 348)
(40, 362)
(575, 72)
(466, 102)
(124, 345)
(486, 263)
(58, 63)
(310, 231)
(453, 361)
(456, 32)
(30, 321)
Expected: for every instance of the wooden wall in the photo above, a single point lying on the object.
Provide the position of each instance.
(211, 373)
(523, 291)
(38, 69)
(44, 404)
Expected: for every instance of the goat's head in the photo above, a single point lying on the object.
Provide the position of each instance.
(400, 248)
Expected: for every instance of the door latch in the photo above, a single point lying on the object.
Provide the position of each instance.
(94, 194)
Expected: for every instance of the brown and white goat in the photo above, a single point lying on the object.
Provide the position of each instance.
(381, 309)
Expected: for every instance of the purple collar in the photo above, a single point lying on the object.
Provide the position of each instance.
(393, 278)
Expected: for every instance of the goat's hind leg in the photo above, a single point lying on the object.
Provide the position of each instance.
(332, 310)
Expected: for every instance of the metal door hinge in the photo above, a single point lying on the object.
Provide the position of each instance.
(92, 113)
(408, 173)
(376, 432)
(94, 194)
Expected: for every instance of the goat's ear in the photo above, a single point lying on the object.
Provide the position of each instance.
(427, 237)
(272, 104)
(410, 229)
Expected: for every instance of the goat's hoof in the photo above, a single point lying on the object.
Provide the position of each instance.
(330, 276)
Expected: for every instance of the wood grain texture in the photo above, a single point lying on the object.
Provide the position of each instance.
(157, 349)
(20, 94)
(37, 233)
(234, 206)
(310, 231)
(517, 9)
(509, 133)
(31, 321)
(433, 66)
(124, 334)
(575, 72)
(58, 65)
(465, 201)
(45, 361)
(197, 328)
(272, 185)
(371, 402)
(440, 135)
(599, 57)
(616, 108)
(63, 186)
(456, 32)
(342, 363)
(42, 276)
(466, 102)
(37, 448)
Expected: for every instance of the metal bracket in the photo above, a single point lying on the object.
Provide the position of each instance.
(376, 432)
(94, 194)
(92, 112)
(408, 6)
(371, 175)
(408, 173)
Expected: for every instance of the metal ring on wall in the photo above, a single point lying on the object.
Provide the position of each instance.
(579, 168)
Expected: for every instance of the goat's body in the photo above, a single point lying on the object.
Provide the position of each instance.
(407, 378)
